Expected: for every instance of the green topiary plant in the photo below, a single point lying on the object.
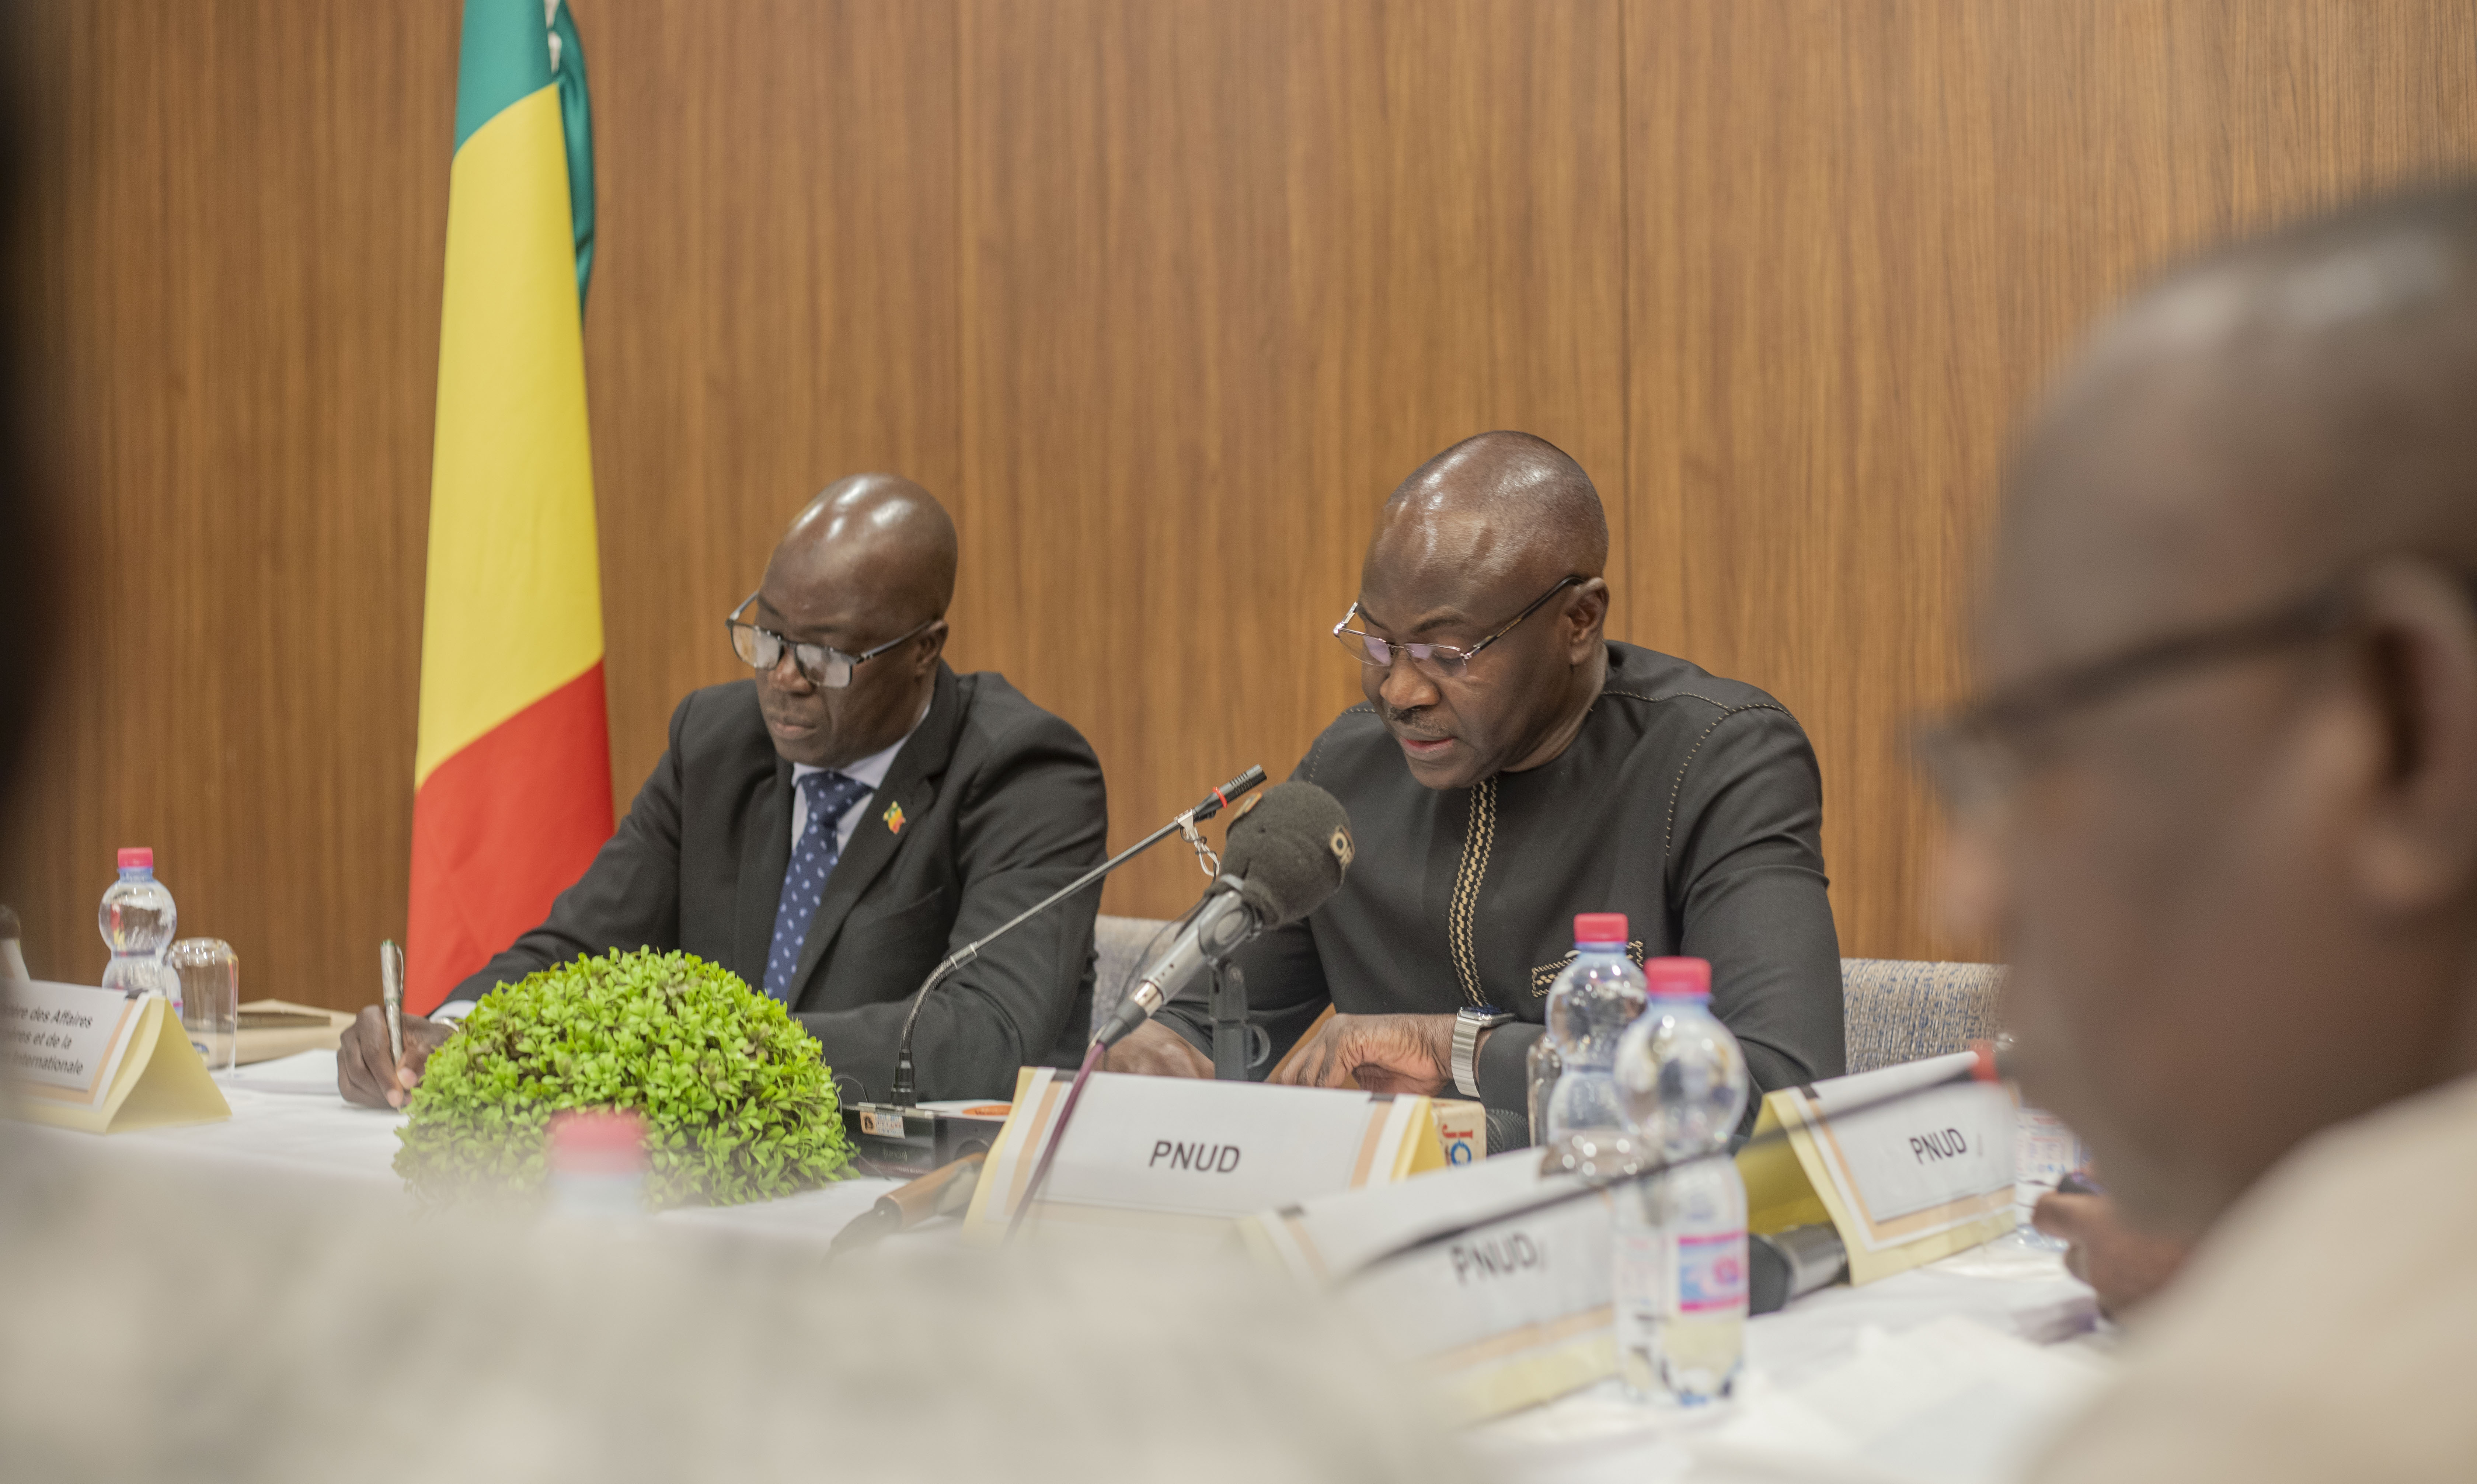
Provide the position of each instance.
(738, 1099)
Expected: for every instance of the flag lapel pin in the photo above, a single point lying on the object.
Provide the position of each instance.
(894, 819)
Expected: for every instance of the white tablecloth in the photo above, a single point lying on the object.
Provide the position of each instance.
(287, 1114)
(1949, 1372)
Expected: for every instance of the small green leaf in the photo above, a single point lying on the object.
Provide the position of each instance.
(739, 1099)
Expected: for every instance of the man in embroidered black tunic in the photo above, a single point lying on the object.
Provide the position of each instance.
(1512, 768)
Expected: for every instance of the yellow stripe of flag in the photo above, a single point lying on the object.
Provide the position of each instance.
(513, 605)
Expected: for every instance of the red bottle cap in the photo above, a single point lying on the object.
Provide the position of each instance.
(134, 856)
(597, 1142)
(1678, 978)
(1600, 927)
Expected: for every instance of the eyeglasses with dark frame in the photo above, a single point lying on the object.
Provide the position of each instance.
(1444, 662)
(761, 649)
(1976, 755)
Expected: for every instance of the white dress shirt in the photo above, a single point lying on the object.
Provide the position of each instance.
(870, 770)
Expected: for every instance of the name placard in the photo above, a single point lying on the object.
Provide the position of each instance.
(99, 1061)
(1158, 1153)
(1505, 1316)
(1904, 1183)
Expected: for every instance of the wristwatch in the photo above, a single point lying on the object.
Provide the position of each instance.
(1468, 1023)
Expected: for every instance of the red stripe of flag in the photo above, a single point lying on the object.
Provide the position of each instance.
(500, 829)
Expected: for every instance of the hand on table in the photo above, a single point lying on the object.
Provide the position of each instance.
(2124, 1264)
(1153, 1049)
(1382, 1053)
(363, 1073)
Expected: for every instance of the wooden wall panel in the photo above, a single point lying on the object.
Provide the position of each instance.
(773, 305)
(1859, 235)
(1163, 296)
(240, 243)
(1233, 271)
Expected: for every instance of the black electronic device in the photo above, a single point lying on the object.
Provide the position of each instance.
(1786, 1266)
(892, 1139)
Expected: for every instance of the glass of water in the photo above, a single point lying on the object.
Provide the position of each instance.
(210, 999)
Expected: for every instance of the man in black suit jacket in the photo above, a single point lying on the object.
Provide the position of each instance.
(828, 830)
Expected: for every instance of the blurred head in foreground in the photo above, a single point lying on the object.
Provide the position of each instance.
(2220, 801)
(2226, 778)
(317, 1326)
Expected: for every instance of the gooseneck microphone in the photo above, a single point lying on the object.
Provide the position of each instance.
(1205, 808)
(1286, 853)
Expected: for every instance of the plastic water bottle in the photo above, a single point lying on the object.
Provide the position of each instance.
(136, 921)
(1680, 1287)
(2045, 1150)
(1541, 1067)
(1590, 1006)
(597, 1163)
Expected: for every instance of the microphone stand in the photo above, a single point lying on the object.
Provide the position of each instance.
(1230, 1037)
(904, 1096)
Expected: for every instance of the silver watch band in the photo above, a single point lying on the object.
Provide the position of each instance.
(1468, 1026)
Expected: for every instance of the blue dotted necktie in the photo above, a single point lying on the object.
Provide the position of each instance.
(804, 884)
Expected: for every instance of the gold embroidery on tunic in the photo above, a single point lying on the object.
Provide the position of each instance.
(1477, 839)
(1545, 977)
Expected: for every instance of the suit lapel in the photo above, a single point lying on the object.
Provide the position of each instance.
(765, 856)
(910, 783)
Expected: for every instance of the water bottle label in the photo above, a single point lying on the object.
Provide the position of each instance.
(1712, 1273)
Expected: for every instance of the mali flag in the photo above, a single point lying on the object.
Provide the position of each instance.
(511, 767)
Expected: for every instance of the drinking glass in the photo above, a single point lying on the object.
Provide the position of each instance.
(210, 999)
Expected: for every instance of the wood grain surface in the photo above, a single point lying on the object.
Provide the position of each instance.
(1859, 236)
(1163, 296)
(1238, 269)
(242, 235)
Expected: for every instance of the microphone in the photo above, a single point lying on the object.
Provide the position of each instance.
(1286, 854)
(1205, 808)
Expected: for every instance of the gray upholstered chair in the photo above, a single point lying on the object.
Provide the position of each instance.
(1118, 946)
(1901, 1010)
(1897, 1010)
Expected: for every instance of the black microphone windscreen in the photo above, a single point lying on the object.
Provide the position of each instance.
(1289, 851)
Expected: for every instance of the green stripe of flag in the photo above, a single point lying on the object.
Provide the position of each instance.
(507, 54)
(506, 57)
(576, 115)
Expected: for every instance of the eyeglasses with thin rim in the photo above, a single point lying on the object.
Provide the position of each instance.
(825, 665)
(1444, 662)
(1978, 754)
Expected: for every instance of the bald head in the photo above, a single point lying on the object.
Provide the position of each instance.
(1499, 504)
(883, 532)
(867, 569)
(2237, 886)
(1477, 537)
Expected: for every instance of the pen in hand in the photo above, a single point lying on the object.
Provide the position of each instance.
(392, 997)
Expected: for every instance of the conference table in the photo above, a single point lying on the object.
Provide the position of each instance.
(1949, 1372)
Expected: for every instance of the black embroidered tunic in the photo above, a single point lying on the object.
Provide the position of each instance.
(1687, 802)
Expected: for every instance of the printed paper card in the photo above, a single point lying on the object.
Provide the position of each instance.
(1510, 1314)
(1169, 1153)
(99, 1061)
(1906, 1164)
